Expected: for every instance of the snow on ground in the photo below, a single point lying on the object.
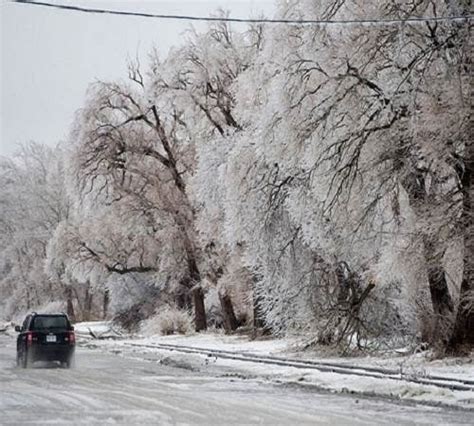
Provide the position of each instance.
(235, 343)
(96, 328)
(414, 365)
(420, 364)
(107, 389)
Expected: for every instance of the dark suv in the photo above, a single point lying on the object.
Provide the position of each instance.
(45, 337)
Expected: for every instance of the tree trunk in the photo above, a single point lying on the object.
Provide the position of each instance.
(105, 304)
(200, 321)
(69, 305)
(463, 333)
(230, 321)
(343, 285)
(28, 301)
(182, 297)
(440, 297)
(441, 300)
(88, 298)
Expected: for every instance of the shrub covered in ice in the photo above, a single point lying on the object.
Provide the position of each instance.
(168, 320)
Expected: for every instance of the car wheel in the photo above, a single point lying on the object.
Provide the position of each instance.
(23, 360)
(70, 362)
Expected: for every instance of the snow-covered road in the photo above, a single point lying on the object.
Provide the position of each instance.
(106, 388)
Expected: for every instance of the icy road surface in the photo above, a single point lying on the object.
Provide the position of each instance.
(109, 389)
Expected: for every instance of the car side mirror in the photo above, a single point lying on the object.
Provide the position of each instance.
(18, 328)
(72, 328)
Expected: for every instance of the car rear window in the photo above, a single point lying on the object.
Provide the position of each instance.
(46, 322)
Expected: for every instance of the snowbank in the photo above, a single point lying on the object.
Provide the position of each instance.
(414, 366)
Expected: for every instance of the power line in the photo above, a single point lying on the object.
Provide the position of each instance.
(248, 20)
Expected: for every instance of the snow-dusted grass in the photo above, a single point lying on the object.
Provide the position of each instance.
(417, 365)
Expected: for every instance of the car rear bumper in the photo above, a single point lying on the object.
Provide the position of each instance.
(51, 352)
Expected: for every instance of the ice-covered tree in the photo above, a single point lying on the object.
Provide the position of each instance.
(133, 147)
(360, 131)
(33, 203)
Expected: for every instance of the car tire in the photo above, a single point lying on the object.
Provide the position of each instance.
(27, 361)
(70, 362)
(24, 361)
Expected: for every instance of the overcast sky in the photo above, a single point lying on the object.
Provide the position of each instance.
(49, 56)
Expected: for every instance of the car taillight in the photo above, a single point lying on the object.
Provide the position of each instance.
(72, 338)
(29, 338)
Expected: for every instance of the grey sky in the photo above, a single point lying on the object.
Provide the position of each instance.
(49, 56)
